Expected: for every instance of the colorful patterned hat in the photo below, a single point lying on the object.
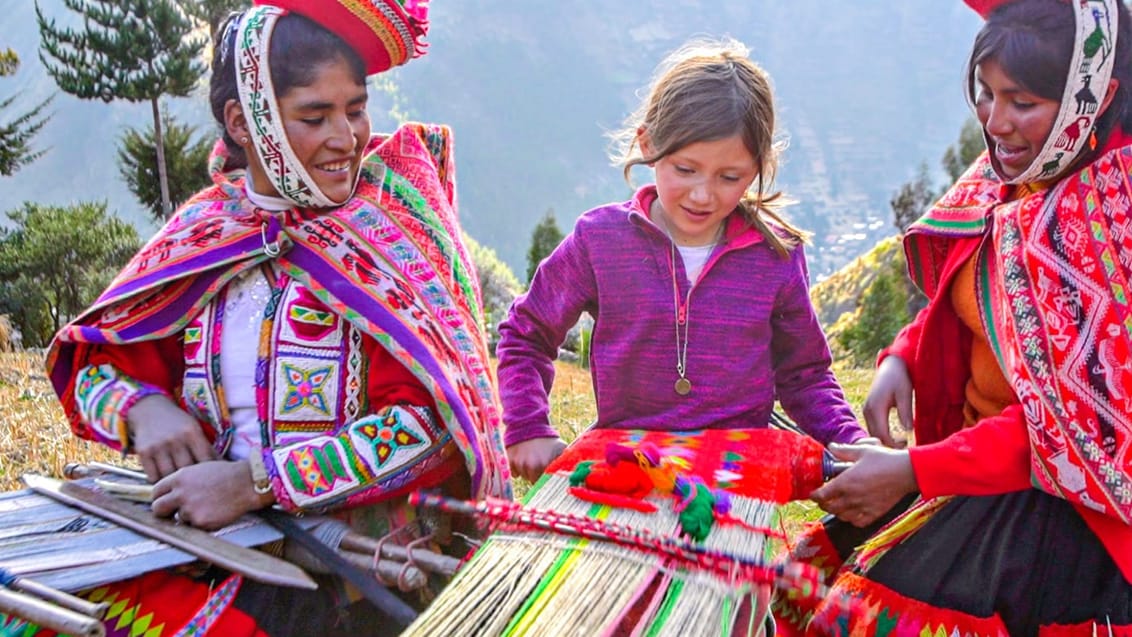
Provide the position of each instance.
(1094, 51)
(385, 33)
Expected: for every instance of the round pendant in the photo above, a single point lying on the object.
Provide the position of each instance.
(683, 386)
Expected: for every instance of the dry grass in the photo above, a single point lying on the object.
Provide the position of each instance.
(34, 437)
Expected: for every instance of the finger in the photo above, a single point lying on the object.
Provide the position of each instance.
(859, 519)
(200, 448)
(165, 505)
(149, 466)
(868, 441)
(826, 493)
(200, 451)
(849, 453)
(165, 464)
(182, 457)
(904, 413)
(876, 420)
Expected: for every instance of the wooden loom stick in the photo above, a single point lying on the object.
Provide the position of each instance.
(46, 593)
(56, 618)
(257, 565)
(422, 558)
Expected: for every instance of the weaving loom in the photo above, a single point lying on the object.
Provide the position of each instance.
(50, 549)
(544, 570)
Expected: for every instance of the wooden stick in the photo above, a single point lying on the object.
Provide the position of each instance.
(126, 490)
(426, 560)
(61, 598)
(388, 570)
(76, 470)
(38, 611)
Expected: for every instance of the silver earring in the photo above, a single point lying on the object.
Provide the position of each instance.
(244, 140)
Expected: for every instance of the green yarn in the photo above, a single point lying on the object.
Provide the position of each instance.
(696, 519)
(580, 473)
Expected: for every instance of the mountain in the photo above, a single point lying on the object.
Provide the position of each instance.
(866, 92)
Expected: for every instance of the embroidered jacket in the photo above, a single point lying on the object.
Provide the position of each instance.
(375, 314)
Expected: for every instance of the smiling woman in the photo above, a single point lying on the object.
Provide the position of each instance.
(269, 347)
(321, 102)
(1011, 514)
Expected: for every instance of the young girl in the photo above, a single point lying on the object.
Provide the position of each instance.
(698, 286)
(275, 343)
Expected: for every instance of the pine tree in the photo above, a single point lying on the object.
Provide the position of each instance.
(881, 314)
(133, 50)
(970, 145)
(544, 239)
(213, 12)
(54, 260)
(16, 135)
(186, 167)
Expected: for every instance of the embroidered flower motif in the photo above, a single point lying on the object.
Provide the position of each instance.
(305, 388)
(389, 436)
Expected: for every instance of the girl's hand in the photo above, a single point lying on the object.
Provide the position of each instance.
(878, 479)
(892, 387)
(165, 437)
(530, 457)
(209, 495)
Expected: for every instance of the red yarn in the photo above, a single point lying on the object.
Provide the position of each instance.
(624, 478)
(613, 499)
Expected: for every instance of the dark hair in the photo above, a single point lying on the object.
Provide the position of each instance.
(1033, 40)
(299, 46)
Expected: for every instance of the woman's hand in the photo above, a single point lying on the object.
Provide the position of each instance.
(878, 479)
(209, 495)
(892, 387)
(530, 457)
(165, 437)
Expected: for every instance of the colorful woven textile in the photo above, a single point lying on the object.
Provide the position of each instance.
(389, 261)
(1053, 289)
(655, 576)
(160, 604)
(763, 464)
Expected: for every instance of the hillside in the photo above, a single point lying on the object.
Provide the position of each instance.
(866, 91)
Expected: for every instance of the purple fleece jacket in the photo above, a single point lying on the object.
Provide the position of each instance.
(753, 336)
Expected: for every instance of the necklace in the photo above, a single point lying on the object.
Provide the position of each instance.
(683, 386)
(682, 311)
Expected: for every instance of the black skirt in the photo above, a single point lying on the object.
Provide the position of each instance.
(1026, 557)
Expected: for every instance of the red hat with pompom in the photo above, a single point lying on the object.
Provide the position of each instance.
(385, 33)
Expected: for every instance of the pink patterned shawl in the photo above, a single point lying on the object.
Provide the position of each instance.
(1054, 284)
(391, 261)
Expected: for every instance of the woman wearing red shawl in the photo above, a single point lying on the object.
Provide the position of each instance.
(1018, 369)
(306, 333)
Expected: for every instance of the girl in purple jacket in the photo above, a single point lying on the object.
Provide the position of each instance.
(697, 285)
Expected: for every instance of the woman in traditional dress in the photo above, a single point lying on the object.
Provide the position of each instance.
(306, 333)
(1019, 364)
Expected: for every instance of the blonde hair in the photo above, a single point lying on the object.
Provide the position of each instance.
(704, 91)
